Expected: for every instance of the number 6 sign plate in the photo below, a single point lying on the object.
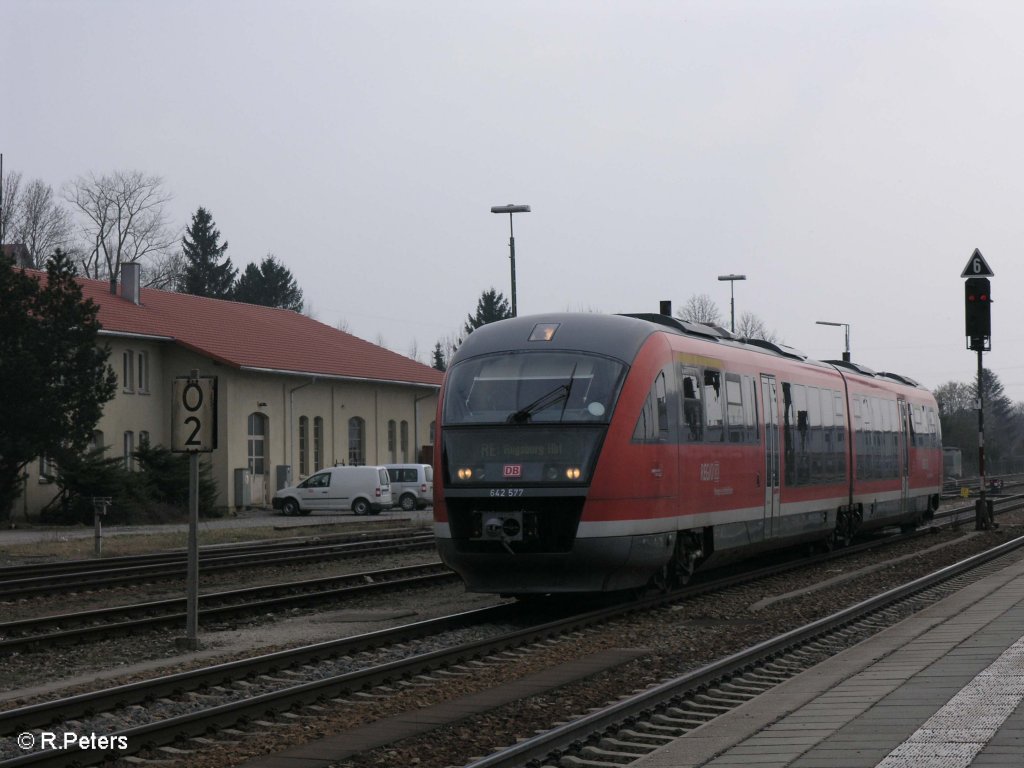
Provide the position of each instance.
(194, 415)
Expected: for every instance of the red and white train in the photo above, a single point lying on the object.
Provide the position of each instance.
(589, 453)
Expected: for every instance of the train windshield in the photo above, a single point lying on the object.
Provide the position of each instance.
(532, 387)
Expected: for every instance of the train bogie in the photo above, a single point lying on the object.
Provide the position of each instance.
(583, 453)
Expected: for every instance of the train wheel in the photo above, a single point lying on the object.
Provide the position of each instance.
(689, 553)
(847, 524)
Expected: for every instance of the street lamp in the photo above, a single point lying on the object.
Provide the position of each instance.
(846, 354)
(732, 298)
(510, 209)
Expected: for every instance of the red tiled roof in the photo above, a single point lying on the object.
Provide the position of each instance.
(250, 336)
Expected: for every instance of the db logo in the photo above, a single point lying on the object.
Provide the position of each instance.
(512, 470)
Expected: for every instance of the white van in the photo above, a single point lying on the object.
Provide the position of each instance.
(412, 485)
(364, 490)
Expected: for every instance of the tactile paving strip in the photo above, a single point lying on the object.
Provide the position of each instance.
(953, 736)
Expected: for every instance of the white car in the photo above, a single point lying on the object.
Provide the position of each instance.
(364, 490)
(412, 485)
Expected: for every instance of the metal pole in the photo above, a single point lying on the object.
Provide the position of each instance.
(982, 519)
(97, 517)
(192, 620)
(512, 257)
(192, 578)
(732, 306)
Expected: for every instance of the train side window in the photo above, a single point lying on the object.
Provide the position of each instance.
(840, 444)
(803, 454)
(693, 409)
(829, 468)
(734, 408)
(789, 434)
(816, 440)
(661, 407)
(750, 408)
(652, 424)
(714, 398)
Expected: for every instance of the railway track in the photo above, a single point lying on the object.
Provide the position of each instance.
(633, 727)
(41, 632)
(17, 582)
(288, 691)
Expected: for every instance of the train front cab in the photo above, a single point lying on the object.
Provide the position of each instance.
(521, 439)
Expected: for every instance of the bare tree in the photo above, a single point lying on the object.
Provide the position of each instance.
(751, 326)
(700, 309)
(165, 270)
(122, 219)
(43, 225)
(9, 206)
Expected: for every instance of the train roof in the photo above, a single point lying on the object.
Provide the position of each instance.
(622, 336)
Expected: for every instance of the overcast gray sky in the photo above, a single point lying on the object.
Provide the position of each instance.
(846, 156)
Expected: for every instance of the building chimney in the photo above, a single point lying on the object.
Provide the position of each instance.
(665, 308)
(131, 280)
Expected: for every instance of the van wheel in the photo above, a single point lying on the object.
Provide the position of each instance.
(361, 506)
(290, 507)
(407, 502)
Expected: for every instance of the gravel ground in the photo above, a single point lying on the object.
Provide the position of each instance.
(59, 671)
(676, 639)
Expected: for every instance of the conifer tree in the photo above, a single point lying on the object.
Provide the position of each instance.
(55, 378)
(208, 272)
(271, 284)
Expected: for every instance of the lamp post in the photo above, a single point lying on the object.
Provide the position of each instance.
(732, 298)
(510, 209)
(846, 354)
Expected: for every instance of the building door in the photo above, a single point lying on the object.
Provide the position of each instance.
(770, 417)
(257, 450)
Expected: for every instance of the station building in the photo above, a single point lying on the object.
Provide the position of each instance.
(293, 395)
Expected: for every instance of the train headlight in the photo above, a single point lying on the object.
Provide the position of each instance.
(465, 473)
(572, 473)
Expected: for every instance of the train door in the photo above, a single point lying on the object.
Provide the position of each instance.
(904, 454)
(770, 417)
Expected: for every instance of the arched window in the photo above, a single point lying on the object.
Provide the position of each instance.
(129, 450)
(303, 445)
(356, 441)
(405, 441)
(257, 443)
(392, 441)
(318, 444)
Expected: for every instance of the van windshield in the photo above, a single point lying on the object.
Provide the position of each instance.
(385, 481)
(532, 387)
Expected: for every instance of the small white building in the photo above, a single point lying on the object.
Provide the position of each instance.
(293, 395)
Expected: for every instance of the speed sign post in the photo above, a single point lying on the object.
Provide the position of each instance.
(193, 431)
(978, 330)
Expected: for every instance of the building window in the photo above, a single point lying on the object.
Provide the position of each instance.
(96, 443)
(405, 441)
(257, 443)
(433, 424)
(129, 450)
(356, 441)
(47, 469)
(303, 446)
(144, 439)
(318, 444)
(392, 441)
(128, 371)
(142, 382)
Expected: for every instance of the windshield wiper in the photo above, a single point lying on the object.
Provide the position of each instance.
(523, 415)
